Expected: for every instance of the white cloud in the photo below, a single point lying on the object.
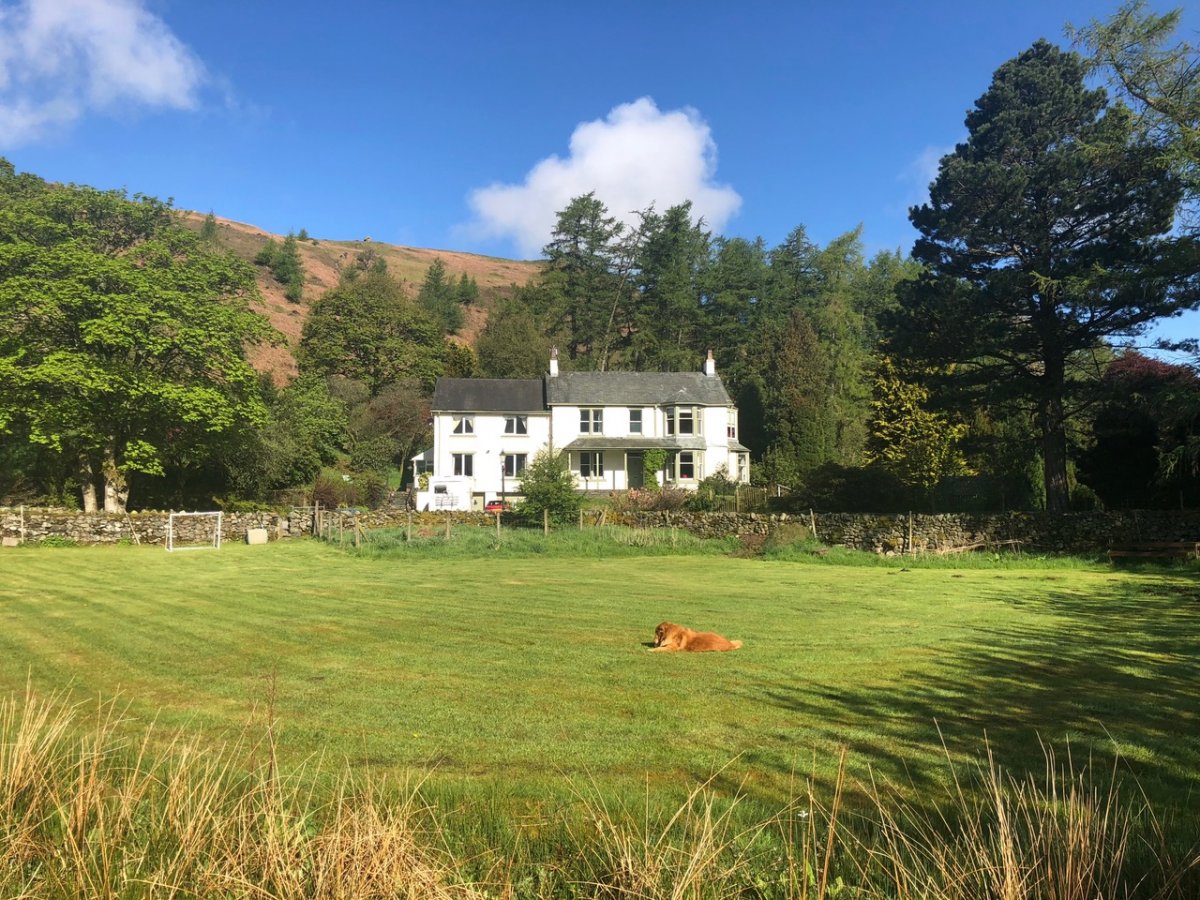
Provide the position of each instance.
(635, 156)
(61, 58)
(921, 171)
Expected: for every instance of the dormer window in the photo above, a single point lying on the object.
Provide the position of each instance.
(465, 425)
(516, 425)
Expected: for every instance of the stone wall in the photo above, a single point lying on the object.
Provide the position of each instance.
(1069, 533)
(35, 524)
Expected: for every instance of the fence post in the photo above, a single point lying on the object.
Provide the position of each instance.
(911, 549)
(409, 538)
(449, 514)
(812, 518)
(545, 523)
(581, 518)
(497, 525)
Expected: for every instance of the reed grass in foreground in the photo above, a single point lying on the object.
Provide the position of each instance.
(86, 813)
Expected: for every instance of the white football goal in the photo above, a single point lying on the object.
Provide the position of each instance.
(193, 531)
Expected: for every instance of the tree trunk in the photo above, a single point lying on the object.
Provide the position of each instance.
(87, 484)
(1054, 453)
(116, 488)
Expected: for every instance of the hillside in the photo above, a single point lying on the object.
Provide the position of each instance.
(322, 260)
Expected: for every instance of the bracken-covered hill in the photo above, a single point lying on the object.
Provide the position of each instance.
(322, 261)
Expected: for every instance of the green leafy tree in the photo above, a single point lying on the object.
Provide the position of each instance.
(122, 334)
(368, 329)
(385, 430)
(1045, 234)
(305, 429)
(512, 345)
(547, 484)
(918, 446)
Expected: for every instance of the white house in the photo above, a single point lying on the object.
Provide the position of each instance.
(485, 431)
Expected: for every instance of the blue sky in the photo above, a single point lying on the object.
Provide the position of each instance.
(465, 125)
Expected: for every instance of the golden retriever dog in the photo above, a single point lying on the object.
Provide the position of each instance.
(668, 637)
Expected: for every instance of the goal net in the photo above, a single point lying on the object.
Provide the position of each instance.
(193, 531)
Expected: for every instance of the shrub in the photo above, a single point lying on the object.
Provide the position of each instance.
(651, 500)
(549, 486)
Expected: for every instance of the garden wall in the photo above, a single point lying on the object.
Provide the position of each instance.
(33, 525)
(1067, 533)
(1083, 532)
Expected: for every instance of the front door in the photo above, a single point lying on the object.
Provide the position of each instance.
(635, 470)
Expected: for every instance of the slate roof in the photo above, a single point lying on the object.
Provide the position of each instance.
(516, 395)
(599, 442)
(636, 389)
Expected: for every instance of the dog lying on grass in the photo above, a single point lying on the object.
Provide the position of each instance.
(668, 637)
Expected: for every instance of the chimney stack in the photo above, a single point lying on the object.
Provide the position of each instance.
(710, 365)
(553, 362)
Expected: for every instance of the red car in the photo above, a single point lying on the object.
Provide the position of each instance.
(497, 506)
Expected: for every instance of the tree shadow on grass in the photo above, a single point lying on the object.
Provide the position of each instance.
(1107, 677)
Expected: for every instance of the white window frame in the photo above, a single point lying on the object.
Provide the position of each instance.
(639, 420)
(464, 425)
(591, 420)
(516, 424)
(594, 464)
(464, 464)
(691, 418)
(674, 419)
(692, 461)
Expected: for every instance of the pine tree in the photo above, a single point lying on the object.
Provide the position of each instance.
(1045, 234)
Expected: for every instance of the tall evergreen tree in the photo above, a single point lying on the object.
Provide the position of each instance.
(733, 285)
(1046, 233)
(664, 315)
(438, 297)
(584, 277)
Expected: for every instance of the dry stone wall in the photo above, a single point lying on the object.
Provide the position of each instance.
(1042, 532)
(36, 525)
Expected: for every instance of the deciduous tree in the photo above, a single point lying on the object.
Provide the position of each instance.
(121, 332)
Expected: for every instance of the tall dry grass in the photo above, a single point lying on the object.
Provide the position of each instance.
(85, 812)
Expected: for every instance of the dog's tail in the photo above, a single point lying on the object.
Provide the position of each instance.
(735, 644)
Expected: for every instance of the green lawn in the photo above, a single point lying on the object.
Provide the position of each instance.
(523, 678)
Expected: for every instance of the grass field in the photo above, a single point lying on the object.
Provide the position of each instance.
(514, 682)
